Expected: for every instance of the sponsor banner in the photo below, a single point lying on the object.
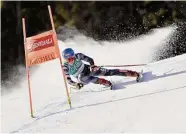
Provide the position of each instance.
(41, 48)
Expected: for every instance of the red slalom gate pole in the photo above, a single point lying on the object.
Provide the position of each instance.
(27, 68)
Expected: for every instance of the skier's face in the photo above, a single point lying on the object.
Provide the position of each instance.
(70, 60)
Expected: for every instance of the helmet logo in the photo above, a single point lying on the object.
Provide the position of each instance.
(67, 55)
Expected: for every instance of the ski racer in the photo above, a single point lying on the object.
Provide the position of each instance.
(87, 73)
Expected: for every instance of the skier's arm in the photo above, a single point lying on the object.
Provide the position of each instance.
(69, 80)
(85, 58)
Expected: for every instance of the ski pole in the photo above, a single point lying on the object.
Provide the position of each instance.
(123, 65)
(72, 88)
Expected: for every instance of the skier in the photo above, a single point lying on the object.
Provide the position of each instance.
(85, 73)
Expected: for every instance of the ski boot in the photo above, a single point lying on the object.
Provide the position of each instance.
(104, 82)
(138, 78)
(130, 73)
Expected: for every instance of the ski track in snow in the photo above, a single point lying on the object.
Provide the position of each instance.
(155, 105)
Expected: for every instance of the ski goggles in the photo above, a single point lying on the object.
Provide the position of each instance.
(70, 59)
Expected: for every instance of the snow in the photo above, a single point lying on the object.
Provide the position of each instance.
(155, 105)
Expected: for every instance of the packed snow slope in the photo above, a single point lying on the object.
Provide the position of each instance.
(155, 105)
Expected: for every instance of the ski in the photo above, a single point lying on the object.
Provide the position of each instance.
(108, 87)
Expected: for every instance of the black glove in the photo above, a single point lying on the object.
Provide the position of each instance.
(94, 68)
(78, 85)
